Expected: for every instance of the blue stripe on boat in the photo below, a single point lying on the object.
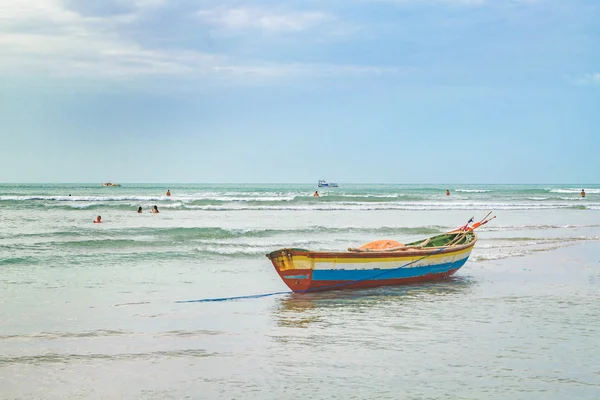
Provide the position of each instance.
(378, 274)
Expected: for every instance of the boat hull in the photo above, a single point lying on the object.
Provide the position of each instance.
(306, 271)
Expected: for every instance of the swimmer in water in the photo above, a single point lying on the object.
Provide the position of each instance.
(139, 210)
(582, 193)
(316, 194)
(98, 220)
(447, 192)
(154, 210)
(168, 192)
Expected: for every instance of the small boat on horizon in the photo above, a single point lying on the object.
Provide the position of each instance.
(379, 263)
(109, 184)
(323, 183)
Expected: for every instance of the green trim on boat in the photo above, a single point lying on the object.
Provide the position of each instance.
(444, 239)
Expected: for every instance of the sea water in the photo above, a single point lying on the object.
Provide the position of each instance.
(90, 310)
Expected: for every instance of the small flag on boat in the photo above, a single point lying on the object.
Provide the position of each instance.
(464, 227)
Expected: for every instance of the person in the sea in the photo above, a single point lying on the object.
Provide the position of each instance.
(98, 220)
(582, 193)
(316, 194)
(168, 192)
(154, 210)
(139, 210)
(447, 192)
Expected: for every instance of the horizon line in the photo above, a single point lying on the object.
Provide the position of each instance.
(298, 183)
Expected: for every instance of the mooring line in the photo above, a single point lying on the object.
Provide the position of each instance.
(252, 296)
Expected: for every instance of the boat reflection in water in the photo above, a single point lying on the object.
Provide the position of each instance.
(300, 310)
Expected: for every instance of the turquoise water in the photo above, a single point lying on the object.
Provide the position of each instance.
(89, 309)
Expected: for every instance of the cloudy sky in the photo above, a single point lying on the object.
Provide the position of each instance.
(407, 91)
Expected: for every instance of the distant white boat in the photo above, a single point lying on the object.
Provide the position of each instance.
(107, 184)
(323, 183)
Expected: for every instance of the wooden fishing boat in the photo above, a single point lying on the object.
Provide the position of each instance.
(378, 263)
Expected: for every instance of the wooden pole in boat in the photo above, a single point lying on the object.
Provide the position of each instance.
(488, 214)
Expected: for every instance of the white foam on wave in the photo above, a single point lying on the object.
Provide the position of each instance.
(574, 190)
(377, 196)
(417, 206)
(472, 190)
(172, 206)
(266, 243)
(84, 198)
(248, 249)
(555, 198)
(150, 198)
(490, 256)
(346, 202)
(84, 206)
(536, 227)
(240, 199)
(233, 250)
(501, 243)
(502, 253)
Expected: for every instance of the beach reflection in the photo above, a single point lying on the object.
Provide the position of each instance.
(303, 309)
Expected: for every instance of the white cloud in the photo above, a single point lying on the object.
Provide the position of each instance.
(23, 11)
(313, 70)
(242, 18)
(48, 39)
(587, 79)
(46, 36)
(149, 3)
(594, 78)
(84, 56)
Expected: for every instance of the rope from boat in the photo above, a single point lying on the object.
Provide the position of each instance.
(338, 285)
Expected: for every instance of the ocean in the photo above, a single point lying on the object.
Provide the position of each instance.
(91, 310)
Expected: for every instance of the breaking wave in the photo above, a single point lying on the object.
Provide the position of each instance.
(574, 191)
(369, 199)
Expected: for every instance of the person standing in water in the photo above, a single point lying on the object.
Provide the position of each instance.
(447, 192)
(98, 220)
(139, 210)
(316, 194)
(582, 193)
(168, 192)
(154, 210)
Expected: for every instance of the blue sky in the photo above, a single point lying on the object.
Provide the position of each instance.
(364, 91)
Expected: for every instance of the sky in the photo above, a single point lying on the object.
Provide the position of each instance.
(265, 91)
